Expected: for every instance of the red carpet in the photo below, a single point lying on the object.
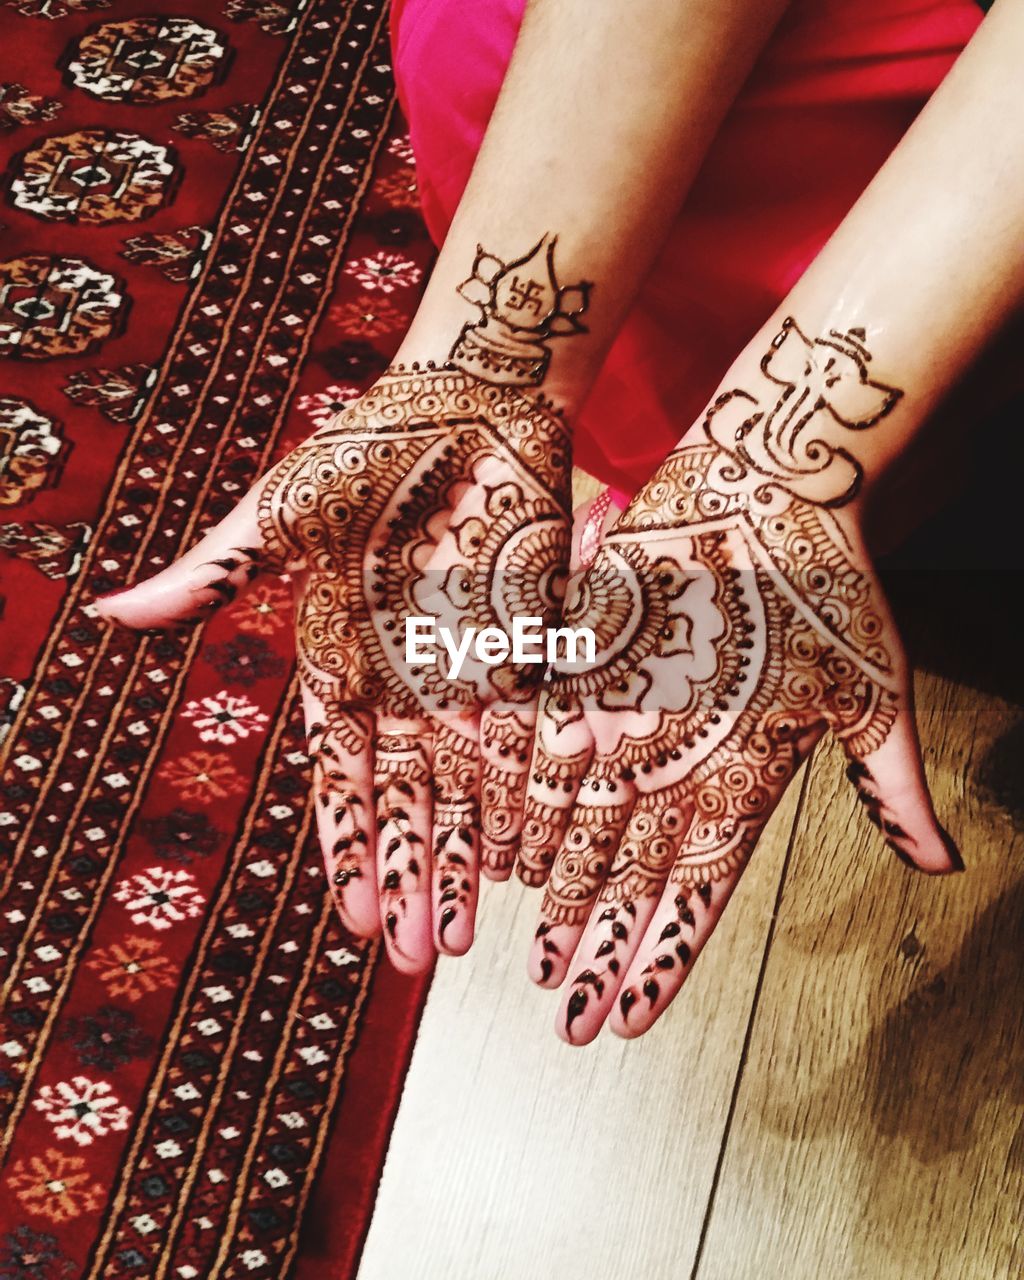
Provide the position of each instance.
(209, 238)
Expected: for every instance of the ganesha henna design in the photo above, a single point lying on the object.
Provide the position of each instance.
(435, 494)
(735, 623)
(521, 305)
(824, 381)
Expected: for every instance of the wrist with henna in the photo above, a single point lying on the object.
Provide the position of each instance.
(443, 493)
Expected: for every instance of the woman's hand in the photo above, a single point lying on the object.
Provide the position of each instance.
(436, 495)
(412, 484)
(736, 620)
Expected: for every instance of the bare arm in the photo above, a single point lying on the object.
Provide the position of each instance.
(751, 623)
(601, 126)
(929, 263)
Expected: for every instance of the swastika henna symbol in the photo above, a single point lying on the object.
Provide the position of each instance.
(522, 306)
(735, 623)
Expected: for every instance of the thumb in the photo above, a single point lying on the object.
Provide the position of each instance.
(211, 574)
(891, 785)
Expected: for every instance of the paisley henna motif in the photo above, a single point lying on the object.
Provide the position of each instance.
(456, 827)
(337, 799)
(215, 583)
(673, 953)
(401, 786)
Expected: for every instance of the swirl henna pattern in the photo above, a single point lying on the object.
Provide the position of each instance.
(441, 494)
(436, 495)
(736, 621)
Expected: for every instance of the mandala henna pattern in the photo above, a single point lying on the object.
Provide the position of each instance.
(364, 504)
(435, 494)
(734, 624)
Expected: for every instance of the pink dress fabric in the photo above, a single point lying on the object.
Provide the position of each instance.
(833, 92)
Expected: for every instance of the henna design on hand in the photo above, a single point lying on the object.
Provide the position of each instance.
(401, 790)
(587, 849)
(506, 738)
(551, 793)
(456, 836)
(522, 305)
(332, 791)
(736, 621)
(234, 571)
(673, 949)
(444, 493)
(435, 494)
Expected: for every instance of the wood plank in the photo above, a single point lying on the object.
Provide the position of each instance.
(879, 1127)
(515, 1156)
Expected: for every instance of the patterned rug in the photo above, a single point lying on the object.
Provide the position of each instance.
(209, 241)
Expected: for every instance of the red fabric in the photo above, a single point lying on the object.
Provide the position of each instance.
(340, 1211)
(197, 1060)
(833, 92)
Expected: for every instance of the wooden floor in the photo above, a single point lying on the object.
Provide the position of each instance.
(838, 1092)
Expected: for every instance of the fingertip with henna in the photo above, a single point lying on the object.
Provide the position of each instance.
(955, 856)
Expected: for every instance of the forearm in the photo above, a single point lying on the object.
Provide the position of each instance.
(602, 123)
(923, 272)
